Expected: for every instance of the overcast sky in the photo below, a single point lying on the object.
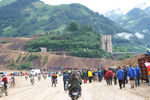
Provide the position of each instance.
(103, 6)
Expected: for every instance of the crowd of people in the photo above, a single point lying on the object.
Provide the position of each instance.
(74, 77)
(110, 75)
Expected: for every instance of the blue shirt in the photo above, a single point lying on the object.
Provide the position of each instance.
(137, 71)
(120, 74)
(66, 77)
(131, 72)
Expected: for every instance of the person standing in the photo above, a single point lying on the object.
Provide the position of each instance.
(90, 75)
(138, 74)
(148, 70)
(120, 75)
(125, 70)
(131, 74)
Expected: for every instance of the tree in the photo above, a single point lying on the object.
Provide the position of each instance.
(26, 65)
(74, 26)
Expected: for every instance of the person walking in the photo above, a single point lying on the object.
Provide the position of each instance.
(109, 76)
(104, 72)
(115, 77)
(120, 75)
(125, 76)
(85, 76)
(138, 74)
(131, 74)
(90, 75)
(100, 75)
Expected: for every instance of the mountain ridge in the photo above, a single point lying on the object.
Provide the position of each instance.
(22, 18)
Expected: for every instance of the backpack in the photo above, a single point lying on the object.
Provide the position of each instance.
(99, 73)
(110, 75)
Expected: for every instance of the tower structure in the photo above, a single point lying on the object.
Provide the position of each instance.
(106, 43)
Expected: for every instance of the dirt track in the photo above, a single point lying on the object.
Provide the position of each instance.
(96, 91)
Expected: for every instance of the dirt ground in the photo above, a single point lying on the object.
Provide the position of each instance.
(42, 90)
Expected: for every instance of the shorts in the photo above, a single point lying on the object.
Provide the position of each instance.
(131, 79)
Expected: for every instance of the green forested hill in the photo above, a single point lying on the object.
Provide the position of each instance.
(77, 40)
(26, 17)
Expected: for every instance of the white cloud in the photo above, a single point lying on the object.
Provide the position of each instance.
(139, 35)
(103, 6)
(124, 35)
(145, 30)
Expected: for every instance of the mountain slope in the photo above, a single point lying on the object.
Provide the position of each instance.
(6, 2)
(26, 17)
(137, 21)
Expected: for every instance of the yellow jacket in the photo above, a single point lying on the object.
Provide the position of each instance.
(90, 74)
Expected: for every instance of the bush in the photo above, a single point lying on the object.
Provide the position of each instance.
(12, 64)
(26, 65)
(4, 42)
(33, 56)
(19, 58)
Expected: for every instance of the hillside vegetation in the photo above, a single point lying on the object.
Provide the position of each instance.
(81, 41)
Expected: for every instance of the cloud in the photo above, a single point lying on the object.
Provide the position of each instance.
(139, 35)
(124, 35)
(102, 6)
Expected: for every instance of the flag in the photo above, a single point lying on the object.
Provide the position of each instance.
(147, 64)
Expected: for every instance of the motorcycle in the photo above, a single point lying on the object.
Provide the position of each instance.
(66, 86)
(3, 89)
(32, 81)
(39, 78)
(12, 82)
(45, 76)
(75, 94)
(26, 77)
(54, 82)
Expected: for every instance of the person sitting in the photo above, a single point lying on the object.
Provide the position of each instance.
(75, 82)
(5, 80)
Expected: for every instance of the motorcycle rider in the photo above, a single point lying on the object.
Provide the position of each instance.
(12, 79)
(5, 80)
(65, 78)
(54, 79)
(39, 76)
(31, 78)
(75, 82)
